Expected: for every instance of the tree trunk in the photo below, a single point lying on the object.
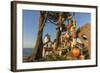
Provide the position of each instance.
(58, 33)
(39, 46)
(39, 43)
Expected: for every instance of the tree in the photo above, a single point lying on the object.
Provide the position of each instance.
(59, 25)
(39, 43)
(56, 18)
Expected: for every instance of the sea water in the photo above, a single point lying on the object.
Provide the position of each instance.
(27, 51)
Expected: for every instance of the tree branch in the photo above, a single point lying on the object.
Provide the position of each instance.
(51, 21)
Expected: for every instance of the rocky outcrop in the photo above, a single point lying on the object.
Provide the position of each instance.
(85, 30)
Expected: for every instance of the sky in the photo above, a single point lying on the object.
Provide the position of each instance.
(30, 26)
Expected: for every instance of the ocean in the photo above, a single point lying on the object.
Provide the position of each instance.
(27, 51)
